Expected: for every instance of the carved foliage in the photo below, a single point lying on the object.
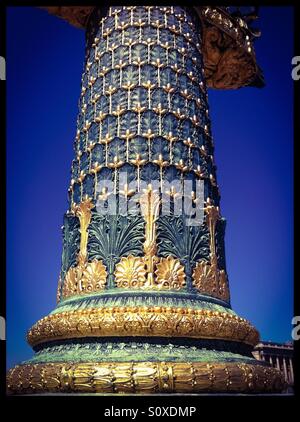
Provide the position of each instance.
(178, 239)
(71, 240)
(112, 237)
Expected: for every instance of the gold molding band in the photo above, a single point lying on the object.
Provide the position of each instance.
(144, 378)
(143, 321)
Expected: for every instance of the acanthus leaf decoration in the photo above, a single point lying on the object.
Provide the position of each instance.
(149, 271)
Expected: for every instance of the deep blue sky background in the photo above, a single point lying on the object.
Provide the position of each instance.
(253, 132)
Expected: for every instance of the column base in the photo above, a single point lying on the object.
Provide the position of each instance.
(144, 378)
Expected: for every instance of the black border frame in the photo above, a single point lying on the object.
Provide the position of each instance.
(204, 403)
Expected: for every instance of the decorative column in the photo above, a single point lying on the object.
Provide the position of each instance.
(291, 370)
(143, 303)
(285, 369)
(277, 363)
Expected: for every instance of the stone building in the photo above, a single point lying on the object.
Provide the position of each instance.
(279, 355)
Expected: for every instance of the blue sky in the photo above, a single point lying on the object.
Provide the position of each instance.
(253, 133)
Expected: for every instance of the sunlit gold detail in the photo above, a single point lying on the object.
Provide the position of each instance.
(212, 216)
(150, 202)
(139, 109)
(129, 87)
(126, 191)
(179, 114)
(138, 162)
(149, 135)
(106, 141)
(85, 277)
(173, 193)
(212, 180)
(83, 212)
(130, 272)
(169, 274)
(117, 163)
(195, 121)
(161, 163)
(93, 277)
(58, 292)
(101, 116)
(144, 378)
(186, 94)
(71, 281)
(103, 196)
(127, 137)
(119, 111)
(171, 138)
(149, 86)
(182, 166)
(143, 321)
(199, 172)
(110, 90)
(207, 277)
(150, 271)
(203, 151)
(81, 177)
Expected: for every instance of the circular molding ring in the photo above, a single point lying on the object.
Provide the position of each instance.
(142, 321)
(144, 378)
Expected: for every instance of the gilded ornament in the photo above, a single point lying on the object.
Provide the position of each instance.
(169, 274)
(58, 292)
(207, 277)
(83, 212)
(143, 321)
(86, 277)
(150, 202)
(144, 378)
(93, 277)
(130, 272)
(70, 285)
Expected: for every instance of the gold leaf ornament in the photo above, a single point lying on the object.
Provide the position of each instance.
(93, 277)
(170, 274)
(208, 279)
(204, 277)
(84, 278)
(130, 272)
(70, 285)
